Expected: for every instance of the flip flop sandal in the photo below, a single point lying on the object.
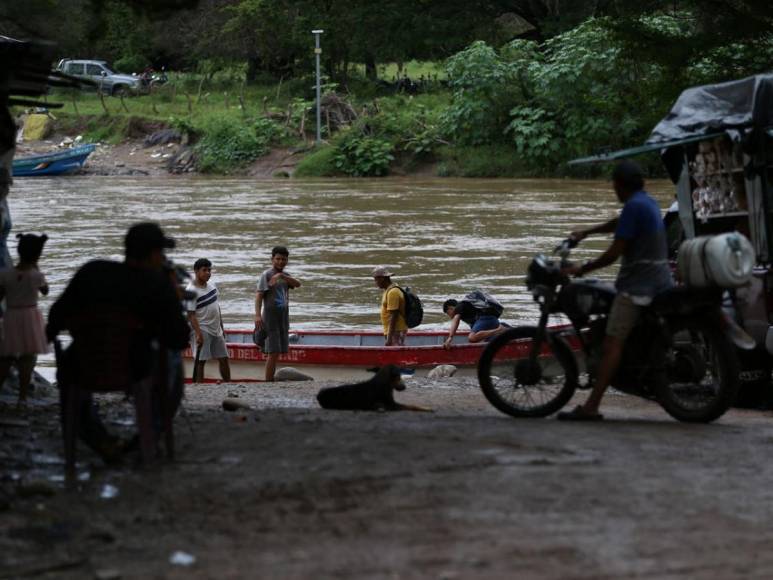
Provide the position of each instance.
(579, 414)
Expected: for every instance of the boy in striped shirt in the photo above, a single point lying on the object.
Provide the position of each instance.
(207, 322)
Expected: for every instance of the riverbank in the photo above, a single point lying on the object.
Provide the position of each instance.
(287, 490)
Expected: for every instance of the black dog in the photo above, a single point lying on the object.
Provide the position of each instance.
(374, 394)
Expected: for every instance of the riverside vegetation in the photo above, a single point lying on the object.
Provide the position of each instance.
(520, 108)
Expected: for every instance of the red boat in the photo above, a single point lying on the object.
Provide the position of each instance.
(344, 355)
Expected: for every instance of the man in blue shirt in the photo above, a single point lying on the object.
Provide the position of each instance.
(640, 238)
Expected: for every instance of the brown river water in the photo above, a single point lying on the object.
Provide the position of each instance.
(442, 237)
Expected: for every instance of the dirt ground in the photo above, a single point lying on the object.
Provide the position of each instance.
(287, 490)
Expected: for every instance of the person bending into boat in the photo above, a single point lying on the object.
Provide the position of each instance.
(480, 311)
(272, 308)
(392, 308)
(640, 239)
(206, 322)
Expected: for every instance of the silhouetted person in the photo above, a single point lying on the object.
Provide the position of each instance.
(138, 285)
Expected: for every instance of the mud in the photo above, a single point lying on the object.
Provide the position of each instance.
(287, 490)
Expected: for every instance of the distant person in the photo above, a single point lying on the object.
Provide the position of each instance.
(24, 335)
(272, 308)
(206, 322)
(139, 285)
(479, 311)
(392, 308)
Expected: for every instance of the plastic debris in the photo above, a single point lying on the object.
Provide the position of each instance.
(180, 558)
(109, 491)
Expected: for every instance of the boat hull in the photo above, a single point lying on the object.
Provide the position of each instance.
(59, 163)
(343, 355)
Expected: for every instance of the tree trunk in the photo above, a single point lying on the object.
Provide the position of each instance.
(371, 72)
(253, 67)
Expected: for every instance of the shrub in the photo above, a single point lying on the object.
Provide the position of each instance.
(360, 156)
(320, 163)
(228, 141)
(481, 161)
(133, 63)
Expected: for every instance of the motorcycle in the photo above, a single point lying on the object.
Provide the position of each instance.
(677, 355)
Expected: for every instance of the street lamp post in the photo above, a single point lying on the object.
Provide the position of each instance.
(317, 52)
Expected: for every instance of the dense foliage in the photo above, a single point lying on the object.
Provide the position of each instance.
(507, 86)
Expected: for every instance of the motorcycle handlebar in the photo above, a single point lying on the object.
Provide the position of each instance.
(566, 245)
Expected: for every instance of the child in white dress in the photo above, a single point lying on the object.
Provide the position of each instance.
(24, 334)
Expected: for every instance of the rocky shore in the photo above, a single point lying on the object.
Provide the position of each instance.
(146, 157)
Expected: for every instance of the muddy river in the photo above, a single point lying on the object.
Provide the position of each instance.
(441, 237)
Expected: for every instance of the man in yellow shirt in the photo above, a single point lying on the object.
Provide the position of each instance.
(392, 308)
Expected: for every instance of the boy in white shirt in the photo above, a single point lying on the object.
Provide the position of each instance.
(207, 322)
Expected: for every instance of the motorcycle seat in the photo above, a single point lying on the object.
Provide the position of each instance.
(686, 299)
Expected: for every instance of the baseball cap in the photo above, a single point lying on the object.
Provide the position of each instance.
(382, 272)
(144, 237)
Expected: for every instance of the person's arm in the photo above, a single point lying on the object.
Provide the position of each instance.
(452, 331)
(605, 228)
(43, 285)
(258, 308)
(291, 282)
(196, 328)
(393, 316)
(615, 250)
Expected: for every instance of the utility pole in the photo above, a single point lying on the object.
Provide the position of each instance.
(317, 52)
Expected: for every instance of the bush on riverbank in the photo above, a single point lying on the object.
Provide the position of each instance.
(319, 163)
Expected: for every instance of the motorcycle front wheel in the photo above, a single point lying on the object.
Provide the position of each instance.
(518, 387)
(700, 378)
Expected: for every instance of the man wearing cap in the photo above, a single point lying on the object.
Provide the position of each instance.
(392, 308)
(139, 285)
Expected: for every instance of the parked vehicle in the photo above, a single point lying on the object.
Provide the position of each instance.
(677, 355)
(717, 145)
(99, 71)
(151, 78)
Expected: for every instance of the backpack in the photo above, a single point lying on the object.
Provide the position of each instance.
(414, 311)
(484, 303)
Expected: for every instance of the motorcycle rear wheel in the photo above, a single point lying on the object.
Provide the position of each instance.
(516, 387)
(713, 390)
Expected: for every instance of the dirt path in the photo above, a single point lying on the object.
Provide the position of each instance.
(290, 491)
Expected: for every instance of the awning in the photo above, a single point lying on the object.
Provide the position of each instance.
(633, 151)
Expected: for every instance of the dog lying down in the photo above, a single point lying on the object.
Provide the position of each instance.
(377, 393)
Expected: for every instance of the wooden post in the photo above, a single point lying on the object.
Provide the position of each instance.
(201, 85)
(123, 103)
(75, 104)
(102, 100)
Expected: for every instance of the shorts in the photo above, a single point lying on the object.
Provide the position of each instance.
(623, 317)
(485, 322)
(213, 347)
(276, 321)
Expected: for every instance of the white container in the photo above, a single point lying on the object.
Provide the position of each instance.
(726, 260)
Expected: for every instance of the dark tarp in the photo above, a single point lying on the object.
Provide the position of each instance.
(736, 108)
(710, 109)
